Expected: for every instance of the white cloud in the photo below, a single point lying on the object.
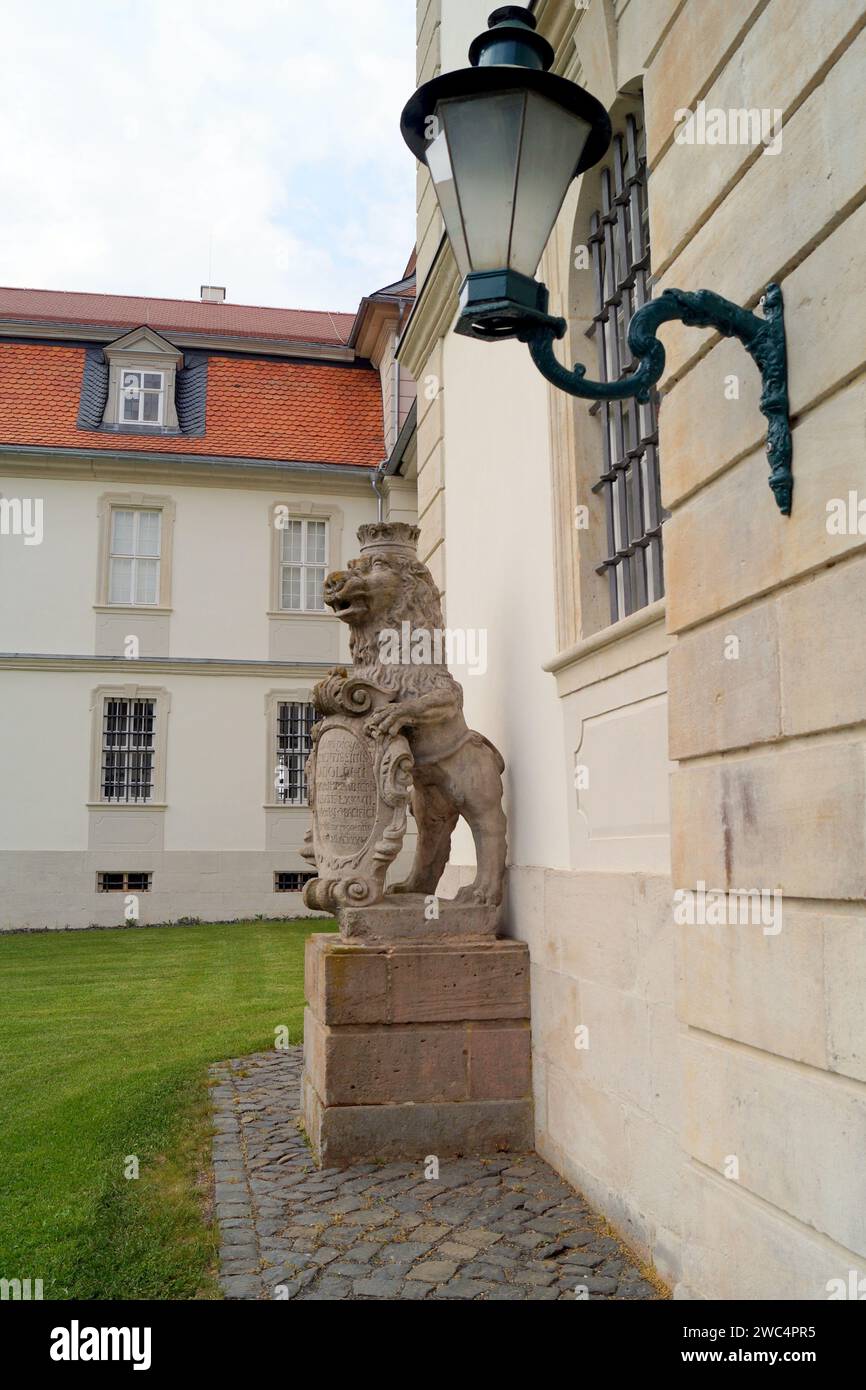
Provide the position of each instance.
(140, 142)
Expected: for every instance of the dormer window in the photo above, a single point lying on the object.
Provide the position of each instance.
(142, 396)
(143, 384)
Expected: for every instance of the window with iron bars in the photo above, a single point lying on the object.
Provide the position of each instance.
(128, 749)
(126, 882)
(620, 250)
(294, 742)
(290, 881)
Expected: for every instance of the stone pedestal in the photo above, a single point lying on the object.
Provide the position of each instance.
(416, 1049)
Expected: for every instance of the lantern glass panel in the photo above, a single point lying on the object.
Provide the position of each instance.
(553, 141)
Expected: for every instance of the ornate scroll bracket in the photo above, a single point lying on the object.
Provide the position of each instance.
(763, 338)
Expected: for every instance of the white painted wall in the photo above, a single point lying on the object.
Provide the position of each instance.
(221, 565)
(461, 21)
(214, 849)
(47, 591)
(215, 764)
(45, 767)
(588, 884)
(500, 579)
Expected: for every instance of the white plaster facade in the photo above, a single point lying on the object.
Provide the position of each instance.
(215, 846)
(215, 653)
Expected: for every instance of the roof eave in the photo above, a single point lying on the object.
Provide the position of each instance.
(166, 457)
(238, 342)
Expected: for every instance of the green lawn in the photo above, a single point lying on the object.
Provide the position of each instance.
(105, 1037)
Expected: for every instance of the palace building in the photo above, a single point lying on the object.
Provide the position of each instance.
(176, 479)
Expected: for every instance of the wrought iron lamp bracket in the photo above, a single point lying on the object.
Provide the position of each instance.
(762, 337)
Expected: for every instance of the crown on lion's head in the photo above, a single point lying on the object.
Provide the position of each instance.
(388, 535)
(385, 587)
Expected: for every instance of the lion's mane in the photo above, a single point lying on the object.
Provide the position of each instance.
(418, 604)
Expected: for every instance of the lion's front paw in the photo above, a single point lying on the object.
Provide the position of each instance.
(389, 720)
(481, 894)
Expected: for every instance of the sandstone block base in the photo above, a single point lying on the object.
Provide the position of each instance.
(416, 1049)
(401, 917)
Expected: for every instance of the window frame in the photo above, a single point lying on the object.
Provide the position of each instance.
(306, 721)
(141, 371)
(125, 875)
(305, 875)
(629, 481)
(127, 750)
(136, 512)
(302, 509)
(161, 701)
(134, 501)
(304, 565)
(300, 695)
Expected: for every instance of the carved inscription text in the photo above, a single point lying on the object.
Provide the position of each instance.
(346, 801)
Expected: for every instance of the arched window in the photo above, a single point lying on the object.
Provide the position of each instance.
(629, 480)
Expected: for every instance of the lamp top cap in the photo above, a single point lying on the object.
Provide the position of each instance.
(518, 14)
(511, 40)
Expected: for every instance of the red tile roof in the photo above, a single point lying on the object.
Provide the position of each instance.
(256, 408)
(179, 315)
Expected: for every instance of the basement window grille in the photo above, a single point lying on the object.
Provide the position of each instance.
(294, 742)
(290, 882)
(128, 750)
(126, 882)
(620, 249)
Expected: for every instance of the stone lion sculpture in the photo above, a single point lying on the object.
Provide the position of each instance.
(385, 597)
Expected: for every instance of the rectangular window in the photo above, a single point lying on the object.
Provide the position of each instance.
(134, 556)
(290, 882)
(128, 750)
(303, 559)
(141, 397)
(629, 482)
(294, 742)
(129, 882)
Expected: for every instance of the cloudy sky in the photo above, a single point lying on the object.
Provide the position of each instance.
(150, 146)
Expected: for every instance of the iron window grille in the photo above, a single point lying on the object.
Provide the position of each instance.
(290, 881)
(128, 750)
(620, 250)
(126, 882)
(294, 743)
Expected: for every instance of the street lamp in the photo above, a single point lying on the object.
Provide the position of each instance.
(503, 140)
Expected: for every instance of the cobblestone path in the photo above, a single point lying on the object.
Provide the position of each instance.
(504, 1226)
